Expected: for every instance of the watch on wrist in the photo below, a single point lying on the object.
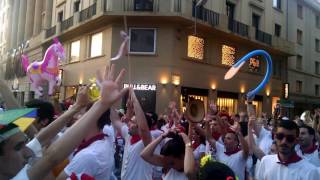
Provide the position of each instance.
(188, 144)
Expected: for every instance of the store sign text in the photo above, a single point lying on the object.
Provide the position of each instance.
(142, 87)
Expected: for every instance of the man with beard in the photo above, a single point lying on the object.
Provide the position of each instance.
(286, 164)
(307, 147)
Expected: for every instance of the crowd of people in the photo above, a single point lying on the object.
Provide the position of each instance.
(98, 140)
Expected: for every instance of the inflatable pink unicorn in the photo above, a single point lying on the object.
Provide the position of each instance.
(47, 69)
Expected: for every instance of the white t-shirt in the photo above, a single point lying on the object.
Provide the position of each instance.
(264, 141)
(313, 158)
(197, 152)
(133, 166)
(36, 148)
(96, 160)
(270, 169)
(235, 161)
(175, 175)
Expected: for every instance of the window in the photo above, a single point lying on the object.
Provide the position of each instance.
(60, 16)
(230, 10)
(316, 89)
(143, 5)
(96, 45)
(277, 4)
(318, 21)
(142, 41)
(299, 11)
(317, 66)
(255, 21)
(299, 37)
(299, 62)
(298, 86)
(276, 70)
(254, 64)
(228, 55)
(277, 30)
(75, 51)
(317, 45)
(76, 6)
(195, 47)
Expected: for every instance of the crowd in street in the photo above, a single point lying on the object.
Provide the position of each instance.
(100, 140)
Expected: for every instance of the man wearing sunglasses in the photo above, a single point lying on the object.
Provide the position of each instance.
(286, 164)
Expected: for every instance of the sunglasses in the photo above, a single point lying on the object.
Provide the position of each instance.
(289, 138)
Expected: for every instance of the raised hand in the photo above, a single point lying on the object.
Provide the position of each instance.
(213, 109)
(111, 89)
(82, 97)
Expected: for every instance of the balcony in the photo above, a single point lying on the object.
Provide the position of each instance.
(143, 5)
(66, 24)
(263, 37)
(51, 31)
(88, 12)
(238, 28)
(205, 15)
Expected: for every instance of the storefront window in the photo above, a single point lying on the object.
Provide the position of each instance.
(227, 104)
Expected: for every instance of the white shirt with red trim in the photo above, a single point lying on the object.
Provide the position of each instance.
(133, 166)
(237, 162)
(313, 157)
(96, 160)
(270, 169)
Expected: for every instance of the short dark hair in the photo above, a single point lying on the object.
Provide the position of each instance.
(151, 118)
(45, 109)
(217, 170)
(174, 147)
(104, 119)
(311, 131)
(289, 125)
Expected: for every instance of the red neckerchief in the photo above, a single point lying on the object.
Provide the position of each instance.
(82, 177)
(229, 153)
(134, 139)
(292, 159)
(309, 150)
(216, 135)
(87, 143)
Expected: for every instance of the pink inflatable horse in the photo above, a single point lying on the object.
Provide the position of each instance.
(47, 69)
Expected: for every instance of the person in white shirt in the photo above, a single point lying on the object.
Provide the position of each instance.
(13, 150)
(286, 164)
(176, 156)
(307, 147)
(137, 135)
(230, 152)
(95, 155)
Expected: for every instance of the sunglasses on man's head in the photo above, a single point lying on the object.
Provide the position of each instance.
(290, 138)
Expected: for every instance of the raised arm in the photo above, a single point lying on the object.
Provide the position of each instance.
(148, 152)
(245, 148)
(60, 149)
(141, 120)
(189, 162)
(252, 145)
(48, 133)
(252, 114)
(7, 95)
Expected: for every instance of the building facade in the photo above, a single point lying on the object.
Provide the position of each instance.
(304, 68)
(171, 55)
